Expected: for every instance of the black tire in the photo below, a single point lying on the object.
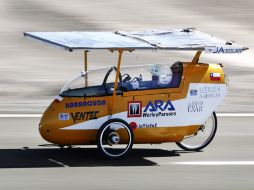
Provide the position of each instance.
(104, 134)
(187, 147)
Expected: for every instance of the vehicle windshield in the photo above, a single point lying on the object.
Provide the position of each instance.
(100, 82)
(90, 83)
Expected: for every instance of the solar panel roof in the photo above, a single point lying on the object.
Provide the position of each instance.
(178, 39)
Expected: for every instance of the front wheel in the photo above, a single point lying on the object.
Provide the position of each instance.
(115, 138)
(202, 137)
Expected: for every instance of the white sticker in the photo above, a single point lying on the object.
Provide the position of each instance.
(63, 116)
(223, 49)
(58, 98)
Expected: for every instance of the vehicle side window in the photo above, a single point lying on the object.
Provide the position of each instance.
(98, 82)
(101, 82)
(86, 84)
(154, 77)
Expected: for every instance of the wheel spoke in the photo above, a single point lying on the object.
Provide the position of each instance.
(203, 136)
(115, 138)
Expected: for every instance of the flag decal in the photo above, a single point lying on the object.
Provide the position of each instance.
(214, 76)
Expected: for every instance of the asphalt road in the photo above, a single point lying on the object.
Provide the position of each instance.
(26, 165)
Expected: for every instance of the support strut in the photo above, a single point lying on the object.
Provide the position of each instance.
(85, 66)
(120, 52)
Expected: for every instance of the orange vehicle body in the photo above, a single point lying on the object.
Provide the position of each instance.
(57, 131)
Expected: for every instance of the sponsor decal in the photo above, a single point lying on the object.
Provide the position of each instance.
(134, 125)
(84, 115)
(209, 92)
(195, 106)
(158, 108)
(85, 103)
(193, 92)
(134, 109)
(63, 116)
(209, 89)
(210, 95)
(147, 125)
(215, 76)
(223, 49)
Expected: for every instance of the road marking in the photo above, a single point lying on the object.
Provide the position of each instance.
(235, 114)
(40, 115)
(59, 163)
(19, 115)
(213, 163)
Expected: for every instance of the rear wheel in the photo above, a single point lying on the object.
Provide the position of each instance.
(202, 138)
(115, 138)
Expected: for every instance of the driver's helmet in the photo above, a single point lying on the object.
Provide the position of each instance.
(161, 74)
(165, 78)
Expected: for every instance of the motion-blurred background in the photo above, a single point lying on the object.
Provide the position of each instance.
(31, 73)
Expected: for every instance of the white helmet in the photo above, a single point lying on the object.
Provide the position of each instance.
(165, 78)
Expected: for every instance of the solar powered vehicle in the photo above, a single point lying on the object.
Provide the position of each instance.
(116, 107)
